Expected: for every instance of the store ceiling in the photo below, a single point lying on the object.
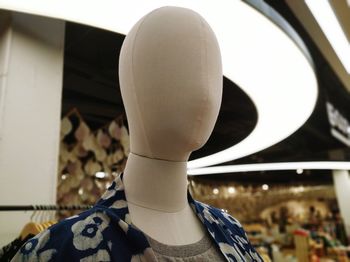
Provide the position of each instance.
(313, 141)
(91, 85)
(302, 12)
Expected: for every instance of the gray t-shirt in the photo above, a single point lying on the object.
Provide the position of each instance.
(203, 250)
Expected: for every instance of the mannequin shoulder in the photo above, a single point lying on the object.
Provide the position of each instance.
(69, 240)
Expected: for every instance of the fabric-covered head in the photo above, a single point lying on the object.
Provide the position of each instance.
(171, 83)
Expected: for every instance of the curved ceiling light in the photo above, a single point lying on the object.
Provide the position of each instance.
(322, 165)
(328, 21)
(273, 68)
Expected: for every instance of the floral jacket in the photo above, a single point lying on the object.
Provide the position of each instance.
(105, 233)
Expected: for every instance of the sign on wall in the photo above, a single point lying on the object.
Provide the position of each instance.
(340, 127)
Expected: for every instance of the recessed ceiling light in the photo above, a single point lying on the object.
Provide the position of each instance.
(231, 190)
(265, 187)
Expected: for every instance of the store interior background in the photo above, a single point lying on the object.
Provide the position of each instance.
(271, 204)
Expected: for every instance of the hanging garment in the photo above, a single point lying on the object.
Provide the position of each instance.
(9, 251)
(105, 233)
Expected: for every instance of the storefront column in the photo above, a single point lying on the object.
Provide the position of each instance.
(341, 180)
(31, 70)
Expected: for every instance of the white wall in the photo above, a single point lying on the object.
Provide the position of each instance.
(341, 180)
(31, 70)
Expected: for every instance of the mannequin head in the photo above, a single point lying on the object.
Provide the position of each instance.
(171, 82)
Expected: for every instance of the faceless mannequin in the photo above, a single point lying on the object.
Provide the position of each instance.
(171, 82)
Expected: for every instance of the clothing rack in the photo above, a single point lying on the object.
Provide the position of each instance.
(44, 207)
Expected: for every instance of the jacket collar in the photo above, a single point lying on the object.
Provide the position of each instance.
(225, 230)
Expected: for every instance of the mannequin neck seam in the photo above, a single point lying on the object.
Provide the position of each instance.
(155, 209)
(159, 159)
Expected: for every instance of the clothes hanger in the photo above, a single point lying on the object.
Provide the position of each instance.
(41, 223)
(30, 228)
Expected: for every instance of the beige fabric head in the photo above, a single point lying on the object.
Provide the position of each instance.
(171, 82)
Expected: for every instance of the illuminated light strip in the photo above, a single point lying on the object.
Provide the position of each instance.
(271, 67)
(320, 165)
(327, 20)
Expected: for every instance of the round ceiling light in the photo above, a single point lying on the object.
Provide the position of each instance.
(261, 53)
(315, 165)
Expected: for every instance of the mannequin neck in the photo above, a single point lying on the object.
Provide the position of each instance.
(156, 184)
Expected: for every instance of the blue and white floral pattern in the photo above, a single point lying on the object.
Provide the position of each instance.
(88, 232)
(30, 249)
(100, 255)
(105, 233)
